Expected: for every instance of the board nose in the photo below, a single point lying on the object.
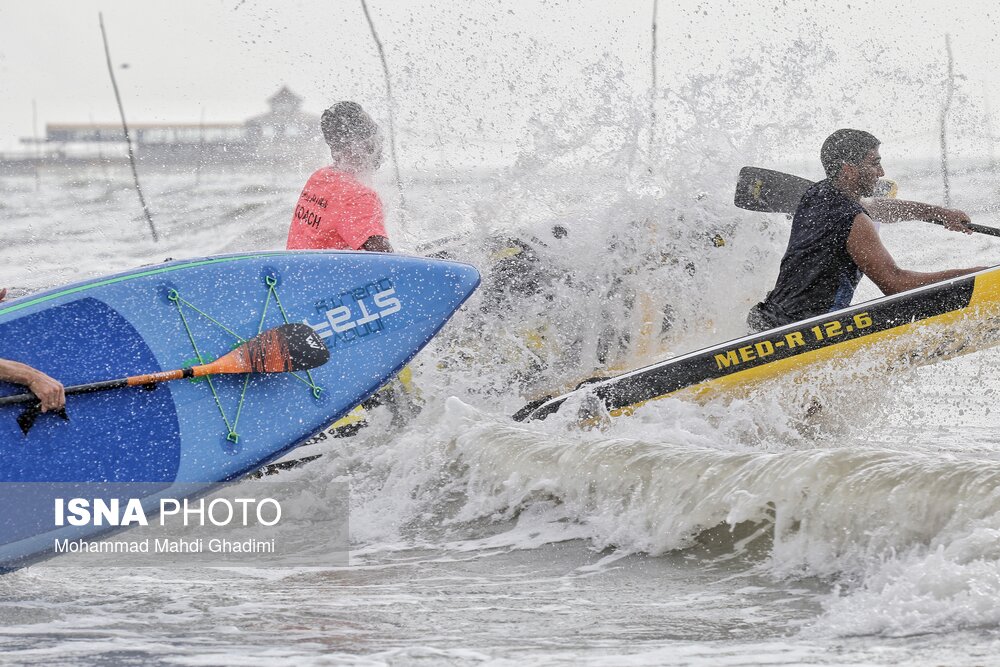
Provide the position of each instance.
(467, 279)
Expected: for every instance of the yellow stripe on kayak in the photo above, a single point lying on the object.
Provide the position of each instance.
(933, 339)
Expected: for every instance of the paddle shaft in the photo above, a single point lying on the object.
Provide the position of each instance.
(979, 229)
(287, 348)
(134, 381)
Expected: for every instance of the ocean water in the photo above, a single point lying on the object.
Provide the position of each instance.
(733, 532)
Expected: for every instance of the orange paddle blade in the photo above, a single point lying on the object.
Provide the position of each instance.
(288, 348)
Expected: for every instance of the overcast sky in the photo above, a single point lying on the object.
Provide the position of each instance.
(494, 71)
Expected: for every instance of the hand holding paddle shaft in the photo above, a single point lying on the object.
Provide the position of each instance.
(979, 229)
(284, 349)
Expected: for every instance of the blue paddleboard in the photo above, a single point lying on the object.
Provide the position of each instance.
(374, 311)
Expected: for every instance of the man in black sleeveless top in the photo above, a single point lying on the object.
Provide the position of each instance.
(834, 239)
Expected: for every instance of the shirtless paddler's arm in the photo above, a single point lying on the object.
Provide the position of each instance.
(897, 210)
(871, 256)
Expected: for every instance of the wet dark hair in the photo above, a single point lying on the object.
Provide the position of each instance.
(346, 123)
(845, 147)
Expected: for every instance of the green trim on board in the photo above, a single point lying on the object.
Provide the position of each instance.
(131, 276)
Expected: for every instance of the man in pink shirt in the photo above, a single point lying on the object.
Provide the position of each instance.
(337, 210)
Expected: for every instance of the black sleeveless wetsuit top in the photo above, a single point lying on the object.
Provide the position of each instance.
(817, 273)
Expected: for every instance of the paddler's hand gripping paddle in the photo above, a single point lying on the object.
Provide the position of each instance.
(284, 349)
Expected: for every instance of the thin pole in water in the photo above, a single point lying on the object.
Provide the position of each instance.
(128, 140)
(392, 102)
(950, 88)
(38, 141)
(652, 90)
(201, 147)
(990, 133)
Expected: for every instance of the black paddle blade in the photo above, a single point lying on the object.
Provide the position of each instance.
(305, 348)
(769, 191)
(288, 348)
